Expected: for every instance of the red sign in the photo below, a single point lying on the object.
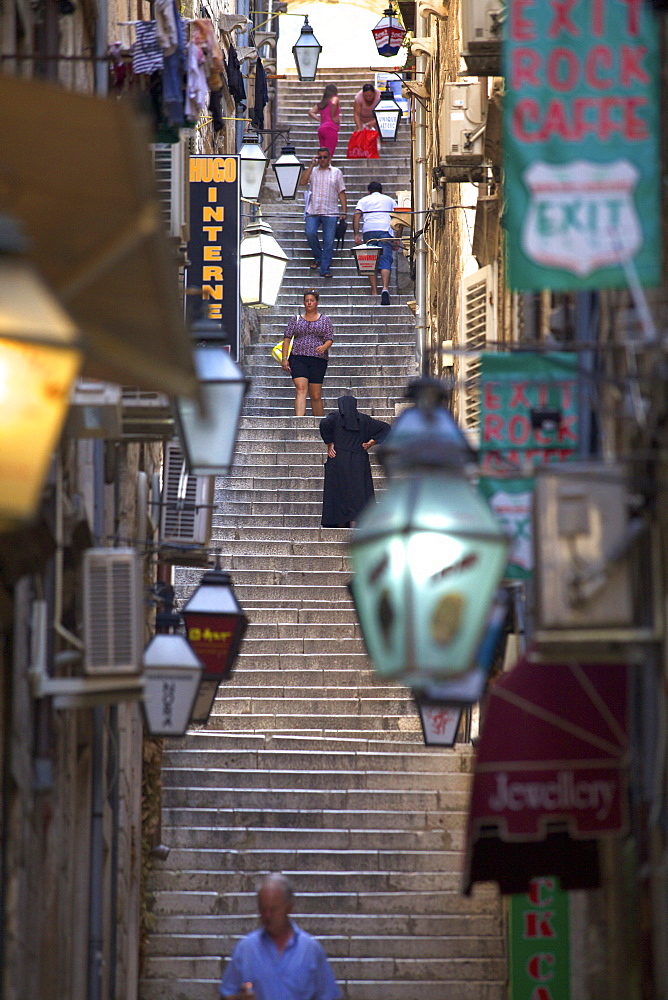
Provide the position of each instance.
(553, 753)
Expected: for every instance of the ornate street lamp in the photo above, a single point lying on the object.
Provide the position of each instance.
(306, 51)
(388, 115)
(428, 557)
(172, 674)
(215, 625)
(208, 426)
(388, 34)
(262, 264)
(288, 169)
(366, 257)
(440, 721)
(39, 361)
(252, 166)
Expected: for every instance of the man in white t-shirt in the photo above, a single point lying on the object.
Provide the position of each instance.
(371, 224)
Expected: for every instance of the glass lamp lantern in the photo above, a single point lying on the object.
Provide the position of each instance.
(428, 557)
(288, 169)
(366, 257)
(388, 34)
(215, 626)
(306, 52)
(172, 673)
(252, 166)
(40, 358)
(262, 264)
(208, 426)
(388, 115)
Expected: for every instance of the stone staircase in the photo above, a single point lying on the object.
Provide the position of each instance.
(308, 765)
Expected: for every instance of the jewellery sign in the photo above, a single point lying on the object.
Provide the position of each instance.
(213, 249)
(581, 140)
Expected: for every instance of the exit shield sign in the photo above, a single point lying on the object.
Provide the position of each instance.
(581, 144)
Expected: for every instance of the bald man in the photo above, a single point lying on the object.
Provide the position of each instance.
(278, 961)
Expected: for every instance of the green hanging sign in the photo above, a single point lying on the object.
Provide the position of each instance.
(539, 950)
(581, 144)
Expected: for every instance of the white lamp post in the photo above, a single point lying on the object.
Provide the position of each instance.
(39, 361)
(288, 169)
(252, 166)
(306, 51)
(172, 673)
(262, 265)
(388, 34)
(208, 426)
(388, 115)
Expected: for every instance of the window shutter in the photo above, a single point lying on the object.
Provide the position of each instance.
(477, 328)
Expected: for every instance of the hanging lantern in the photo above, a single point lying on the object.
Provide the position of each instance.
(39, 361)
(388, 34)
(208, 426)
(252, 166)
(366, 257)
(440, 722)
(288, 169)
(172, 674)
(306, 51)
(215, 625)
(428, 557)
(388, 115)
(262, 264)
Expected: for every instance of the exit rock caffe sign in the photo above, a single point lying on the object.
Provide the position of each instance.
(581, 143)
(213, 248)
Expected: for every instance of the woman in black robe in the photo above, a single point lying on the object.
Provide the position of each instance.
(348, 485)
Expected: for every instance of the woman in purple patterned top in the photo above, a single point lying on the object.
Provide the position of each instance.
(308, 359)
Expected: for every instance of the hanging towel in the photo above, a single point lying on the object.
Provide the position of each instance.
(165, 21)
(235, 81)
(196, 86)
(173, 82)
(147, 55)
(261, 95)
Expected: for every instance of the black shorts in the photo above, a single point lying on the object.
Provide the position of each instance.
(303, 366)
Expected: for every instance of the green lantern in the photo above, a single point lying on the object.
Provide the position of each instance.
(428, 557)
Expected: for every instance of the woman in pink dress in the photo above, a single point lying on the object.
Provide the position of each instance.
(328, 112)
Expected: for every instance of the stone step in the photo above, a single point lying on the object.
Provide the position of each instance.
(319, 879)
(190, 988)
(223, 838)
(329, 780)
(361, 930)
(302, 760)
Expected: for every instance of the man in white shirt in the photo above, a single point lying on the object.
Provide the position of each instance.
(326, 204)
(373, 213)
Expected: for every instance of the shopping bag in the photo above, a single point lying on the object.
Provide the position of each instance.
(363, 145)
(277, 351)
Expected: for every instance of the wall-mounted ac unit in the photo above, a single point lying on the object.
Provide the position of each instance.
(147, 416)
(477, 329)
(95, 410)
(462, 131)
(481, 36)
(186, 514)
(170, 165)
(112, 611)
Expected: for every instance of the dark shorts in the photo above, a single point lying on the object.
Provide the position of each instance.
(313, 369)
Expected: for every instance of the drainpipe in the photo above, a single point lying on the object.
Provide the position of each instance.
(420, 210)
(101, 46)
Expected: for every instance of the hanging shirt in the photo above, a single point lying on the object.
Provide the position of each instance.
(147, 55)
(165, 22)
(235, 81)
(261, 95)
(197, 90)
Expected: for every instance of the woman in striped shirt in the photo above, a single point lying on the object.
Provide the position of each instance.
(307, 363)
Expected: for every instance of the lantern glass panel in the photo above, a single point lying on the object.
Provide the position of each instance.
(366, 257)
(306, 52)
(172, 674)
(209, 432)
(288, 169)
(262, 265)
(252, 166)
(388, 34)
(388, 115)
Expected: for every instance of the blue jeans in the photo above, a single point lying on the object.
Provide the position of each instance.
(322, 255)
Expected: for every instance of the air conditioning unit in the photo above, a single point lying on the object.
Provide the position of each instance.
(481, 36)
(477, 328)
(95, 410)
(462, 132)
(170, 162)
(112, 611)
(146, 416)
(186, 511)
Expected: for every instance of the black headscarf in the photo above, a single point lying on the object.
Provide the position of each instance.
(348, 410)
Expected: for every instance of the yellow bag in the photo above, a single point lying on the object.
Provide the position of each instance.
(277, 351)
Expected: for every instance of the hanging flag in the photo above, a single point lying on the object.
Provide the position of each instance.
(581, 144)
